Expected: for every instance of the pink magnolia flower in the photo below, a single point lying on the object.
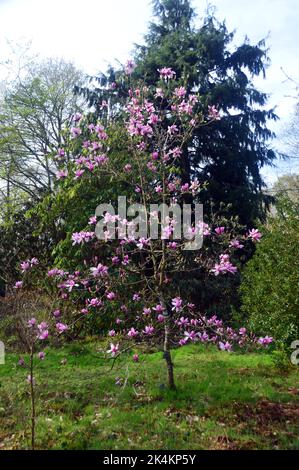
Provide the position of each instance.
(183, 341)
(225, 266)
(61, 327)
(225, 346)
(111, 295)
(172, 245)
(190, 335)
(92, 220)
(99, 271)
(127, 168)
(166, 73)
(75, 131)
(143, 243)
(132, 333)
(148, 330)
(31, 322)
(159, 308)
(111, 333)
(95, 302)
(41, 355)
(43, 334)
(177, 304)
(82, 237)
(114, 348)
(213, 113)
(25, 265)
(236, 244)
(146, 311)
(160, 318)
(255, 235)
(182, 321)
(159, 93)
(265, 341)
(55, 272)
(219, 230)
(130, 67)
(180, 92)
(135, 358)
(77, 117)
(242, 331)
(173, 129)
(18, 285)
(61, 174)
(56, 313)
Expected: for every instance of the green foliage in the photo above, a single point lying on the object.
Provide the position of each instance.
(224, 401)
(270, 287)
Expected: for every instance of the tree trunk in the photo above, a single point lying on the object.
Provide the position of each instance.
(167, 356)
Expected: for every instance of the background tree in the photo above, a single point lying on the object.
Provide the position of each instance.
(34, 110)
(230, 154)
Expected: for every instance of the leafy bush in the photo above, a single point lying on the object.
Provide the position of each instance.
(270, 286)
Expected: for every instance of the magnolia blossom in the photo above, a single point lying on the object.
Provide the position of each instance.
(18, 285)
(76, 131)
(82, 237)
(166, 73)
(265, 341)
(130, 67)
(177, 304)
(95, 302)
(92, 220)
(235, 244)
(114, 348)
(143, 243)
(61, 174)
(99, 271)
(61, 327)
(111, 295)
(180, 92)
(182, 321)
(213, 113)
(255, 235)
(225, 346)
(148, 330)
(225, 266)
(219, 230)
(132, 333)
(146, 311)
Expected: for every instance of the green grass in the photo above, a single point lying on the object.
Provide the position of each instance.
(223, 401)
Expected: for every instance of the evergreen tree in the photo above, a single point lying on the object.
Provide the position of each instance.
(230, 153)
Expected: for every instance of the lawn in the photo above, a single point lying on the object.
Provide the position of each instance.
(223, 401)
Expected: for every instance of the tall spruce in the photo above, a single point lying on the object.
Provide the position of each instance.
(230, 153)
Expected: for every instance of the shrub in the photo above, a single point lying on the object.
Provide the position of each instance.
(270, 286)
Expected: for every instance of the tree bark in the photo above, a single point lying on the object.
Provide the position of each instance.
(167, 356)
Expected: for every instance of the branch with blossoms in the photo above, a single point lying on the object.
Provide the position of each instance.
(137, 279)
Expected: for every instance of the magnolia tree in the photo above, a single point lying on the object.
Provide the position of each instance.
(140, 251)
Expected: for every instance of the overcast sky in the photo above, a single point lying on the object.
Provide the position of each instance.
(93, 33)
